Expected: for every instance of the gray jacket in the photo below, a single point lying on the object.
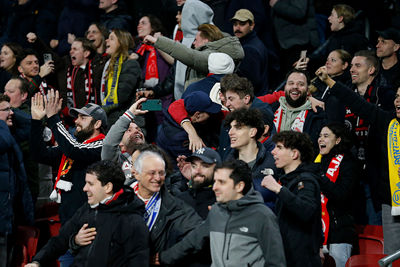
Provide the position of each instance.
(197, 59)
(295, 24)
(111, 150)
(242, 232)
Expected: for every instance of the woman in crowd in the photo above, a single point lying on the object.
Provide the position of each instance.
(155, 69)
(8, 58)
(121, 76)
(337, 180)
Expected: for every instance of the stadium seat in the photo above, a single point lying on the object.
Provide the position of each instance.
(369, 244)
(26, 241)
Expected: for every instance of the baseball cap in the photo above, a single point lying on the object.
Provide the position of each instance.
(200, 101)
(206, 154)
(243, 15)
(390, 34)
(91, 110)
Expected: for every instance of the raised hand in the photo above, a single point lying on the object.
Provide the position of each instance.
(53, 103)
(37, 107)
(134, 108)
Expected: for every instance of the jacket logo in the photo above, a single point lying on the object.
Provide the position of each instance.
(267, 171)
(244, 229)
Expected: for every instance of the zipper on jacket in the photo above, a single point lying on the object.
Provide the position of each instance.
(225, 232)
(94, 240)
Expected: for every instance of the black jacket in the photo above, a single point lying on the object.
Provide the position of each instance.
(339, 194)
(376, 155)
(199, 199)
(122, 237)
(82, 154)
(299, 213)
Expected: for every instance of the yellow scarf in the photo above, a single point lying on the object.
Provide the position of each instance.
(112, 84)
(393, 144)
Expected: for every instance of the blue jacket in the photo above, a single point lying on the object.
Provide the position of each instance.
(204, 85)
(13, 181)
(264, 160)
(254, 65)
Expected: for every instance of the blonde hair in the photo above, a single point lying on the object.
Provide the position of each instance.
(126, 42)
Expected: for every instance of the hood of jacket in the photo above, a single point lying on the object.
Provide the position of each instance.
(127, 202)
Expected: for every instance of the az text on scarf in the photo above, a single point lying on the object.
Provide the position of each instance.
(393, 145)
(332, 173)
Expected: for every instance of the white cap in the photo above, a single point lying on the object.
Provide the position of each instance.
(220, 63)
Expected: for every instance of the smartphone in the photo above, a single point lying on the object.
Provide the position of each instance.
(303, 55)
(152, 105)
(47, 57)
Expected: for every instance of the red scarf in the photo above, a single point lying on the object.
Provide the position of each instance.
(42, 87)
(332, 173)
(66, 163)
(91, 96)
(179, 36)
(151, 76)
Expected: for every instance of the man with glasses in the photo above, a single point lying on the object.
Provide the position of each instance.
(12, 176)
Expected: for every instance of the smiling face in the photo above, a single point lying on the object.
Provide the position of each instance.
(152, 176)
(7, 58)
(296, 89)
(334, 65)
(6, 113)
(233, 100)
(224, 188)
(112, 44)
(242, 28)
(386, 48)
(29, 66)
(133, 135)
(144, 27)
(95, 191)
(201, 173)
(241, 135)
(335, 21)
(360, 70)
(327, 140)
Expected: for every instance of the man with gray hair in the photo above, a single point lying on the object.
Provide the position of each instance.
(168, 218)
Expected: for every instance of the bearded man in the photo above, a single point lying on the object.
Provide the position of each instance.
(72, 155)
(294, 111)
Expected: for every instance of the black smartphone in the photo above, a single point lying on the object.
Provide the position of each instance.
(152, 105)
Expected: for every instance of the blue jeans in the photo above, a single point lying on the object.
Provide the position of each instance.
(66, 259)
(341, 253)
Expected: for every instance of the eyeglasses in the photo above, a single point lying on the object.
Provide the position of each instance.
(8, 109)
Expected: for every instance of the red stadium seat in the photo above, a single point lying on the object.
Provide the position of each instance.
(369, 244)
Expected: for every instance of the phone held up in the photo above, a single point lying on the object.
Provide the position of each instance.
(152, 105)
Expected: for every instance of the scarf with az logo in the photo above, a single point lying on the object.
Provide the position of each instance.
(332, 173)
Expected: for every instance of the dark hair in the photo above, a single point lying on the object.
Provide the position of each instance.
(158, 150)
(17, 51)
(247, 117)
(343, 55)
(210, 32)
(371, 59)
(24, 54)
(239, 85)
(4, 97)
(296, 140)
(304, 72)
(24, 84)
(108, 171)
(240, 172)
(87, 45)
(340, 130)
(156, 24)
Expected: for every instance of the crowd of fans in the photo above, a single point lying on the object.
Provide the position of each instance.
(199, 133)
